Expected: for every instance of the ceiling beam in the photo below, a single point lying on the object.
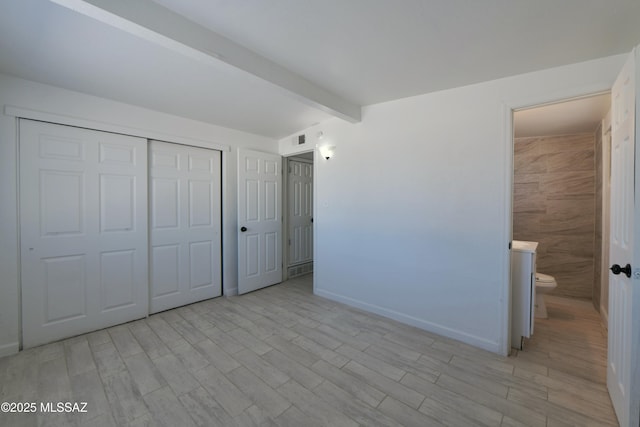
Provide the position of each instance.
(157, 24)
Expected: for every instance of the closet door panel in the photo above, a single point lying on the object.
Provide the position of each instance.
(186, 216)
(84, 239)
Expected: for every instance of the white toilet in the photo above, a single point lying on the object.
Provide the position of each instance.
(544, 284)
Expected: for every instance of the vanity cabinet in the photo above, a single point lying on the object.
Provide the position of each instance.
(523, 291)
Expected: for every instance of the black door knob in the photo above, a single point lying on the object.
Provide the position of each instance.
(243, 229)
(616, 269)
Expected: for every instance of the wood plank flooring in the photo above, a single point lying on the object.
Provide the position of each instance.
(284, 357)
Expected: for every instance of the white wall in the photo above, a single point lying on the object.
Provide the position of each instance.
(101, 113)
(413, 212)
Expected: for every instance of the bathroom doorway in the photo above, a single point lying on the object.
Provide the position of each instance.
(560, 200)
(560, 194)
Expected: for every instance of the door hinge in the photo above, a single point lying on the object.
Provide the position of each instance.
(289, 242)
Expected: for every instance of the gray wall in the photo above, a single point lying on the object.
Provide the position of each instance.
(554, 204)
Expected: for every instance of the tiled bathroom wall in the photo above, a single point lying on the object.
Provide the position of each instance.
(554, 204)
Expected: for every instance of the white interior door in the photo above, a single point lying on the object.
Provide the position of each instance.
(185, 208)
(83, 228)
(300, 192)
(259, 220)
(624, 301)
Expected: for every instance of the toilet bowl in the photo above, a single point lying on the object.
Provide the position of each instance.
(544, 284)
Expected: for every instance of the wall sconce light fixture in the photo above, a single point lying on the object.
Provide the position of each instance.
(327, 151)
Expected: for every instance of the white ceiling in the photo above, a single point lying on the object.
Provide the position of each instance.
(371, 51)
(50, 44)
(361, 51)
(564, 118)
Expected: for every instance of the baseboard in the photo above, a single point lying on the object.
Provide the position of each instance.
(9, 349)
(231, 292)
(473, 340)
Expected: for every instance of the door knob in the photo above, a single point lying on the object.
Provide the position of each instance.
(243, 229)
(616, 269)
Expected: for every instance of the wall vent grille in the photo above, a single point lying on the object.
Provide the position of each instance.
(300, 270)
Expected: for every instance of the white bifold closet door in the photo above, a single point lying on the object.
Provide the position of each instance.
(83, 228)
(185, 216)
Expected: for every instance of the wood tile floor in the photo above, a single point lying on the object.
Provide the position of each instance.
(284, 357)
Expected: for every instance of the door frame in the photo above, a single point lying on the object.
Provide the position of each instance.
(606, 218)
(285, 207)
(508, 108)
